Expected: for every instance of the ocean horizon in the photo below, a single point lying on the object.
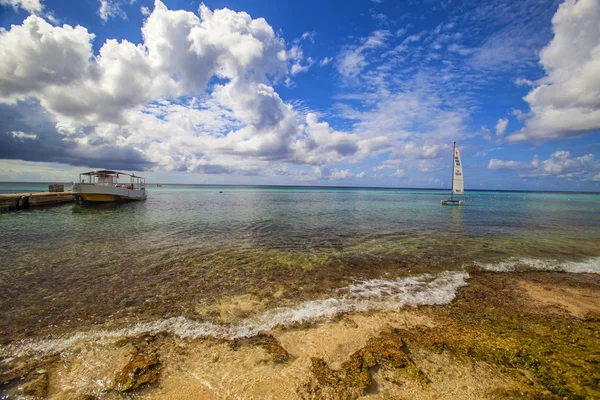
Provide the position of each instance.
(41, 186)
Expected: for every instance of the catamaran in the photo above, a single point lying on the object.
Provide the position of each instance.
(458, 180)
(104, 186)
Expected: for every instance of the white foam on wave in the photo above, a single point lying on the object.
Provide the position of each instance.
(375, 294)
(591, 265)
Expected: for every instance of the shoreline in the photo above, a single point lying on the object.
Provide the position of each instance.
(521, 335)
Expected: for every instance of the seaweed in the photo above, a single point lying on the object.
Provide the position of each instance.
(354, 379)
(491, 321)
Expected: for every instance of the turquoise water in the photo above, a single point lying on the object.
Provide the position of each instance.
(225, 258)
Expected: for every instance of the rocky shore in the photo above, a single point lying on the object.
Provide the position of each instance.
(506, 335)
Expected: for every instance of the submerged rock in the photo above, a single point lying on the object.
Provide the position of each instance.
(141, 369)
(354, 377)
(36, 385)
(268, 342)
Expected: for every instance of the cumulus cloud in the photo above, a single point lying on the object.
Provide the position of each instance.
(501, 126)
(197, 95)
(425, 151)
(561, 164)
(121, 95)
(361, 175)
(111, 9)
(325, 145)
(524, 82)
(340, 174)
(566, 102)
(36, 55)
(31, 6)
(507, 165)
(299, 62)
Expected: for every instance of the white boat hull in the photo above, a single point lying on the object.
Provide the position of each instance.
(453, 202)
(106, 193)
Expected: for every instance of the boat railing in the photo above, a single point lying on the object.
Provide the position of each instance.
(116, 184)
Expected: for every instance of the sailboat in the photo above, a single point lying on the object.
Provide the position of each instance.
(458, 180)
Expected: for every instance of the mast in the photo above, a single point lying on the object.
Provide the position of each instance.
(452, 178)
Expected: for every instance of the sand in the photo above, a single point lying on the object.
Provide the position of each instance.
(220, 369)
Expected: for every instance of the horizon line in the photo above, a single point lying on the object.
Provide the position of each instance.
(338, 187)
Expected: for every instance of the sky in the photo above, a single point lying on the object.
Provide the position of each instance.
(353, 93)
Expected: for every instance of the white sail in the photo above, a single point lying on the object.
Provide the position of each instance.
(458, 180)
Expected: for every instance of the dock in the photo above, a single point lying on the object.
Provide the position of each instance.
(17, 201)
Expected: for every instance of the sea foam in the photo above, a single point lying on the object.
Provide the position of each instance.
(591, 265)
(368, 295)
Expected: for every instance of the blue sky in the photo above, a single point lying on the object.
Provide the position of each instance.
(362, 93)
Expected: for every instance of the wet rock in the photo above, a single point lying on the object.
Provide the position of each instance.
(520, 394)
(36, 385)
(354, 377)
(268, 342)
(141, 369)
(350, 323)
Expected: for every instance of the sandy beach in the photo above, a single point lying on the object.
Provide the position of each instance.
(506, 335)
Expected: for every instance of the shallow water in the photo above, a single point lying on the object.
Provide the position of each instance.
(248, 258)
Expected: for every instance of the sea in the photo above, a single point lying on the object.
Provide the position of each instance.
(230, 261)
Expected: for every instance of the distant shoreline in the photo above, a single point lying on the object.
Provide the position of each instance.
(467, 191)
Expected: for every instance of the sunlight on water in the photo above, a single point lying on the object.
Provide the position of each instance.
(222, 258)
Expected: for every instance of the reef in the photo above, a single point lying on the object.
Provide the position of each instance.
(529, 336)
(386, 352)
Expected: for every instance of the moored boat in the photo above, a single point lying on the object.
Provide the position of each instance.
(103, 186)
(458, 180)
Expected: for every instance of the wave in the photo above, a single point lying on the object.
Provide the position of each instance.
(591, 265)
(369, 295)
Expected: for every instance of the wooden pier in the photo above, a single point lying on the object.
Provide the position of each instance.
(18, 201)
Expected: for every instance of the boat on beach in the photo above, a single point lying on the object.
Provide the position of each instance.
(458, 180)
(103, 186)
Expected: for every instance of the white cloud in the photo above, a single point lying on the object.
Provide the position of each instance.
(151, 103)
(507, 165)
(309, 36)
(31, 6)
(352, 59)
(501, 126)
(559, 165)
(361, 175)
(399, 173)
(325, 145)
(296, 56)
(326, 61)
(111, 9)
(340, 174)
(145, 10)
(36, 55)
(566, 102)
(120, 97)
(524, 82)
(480, 154)
(412, 38)
(22, 135)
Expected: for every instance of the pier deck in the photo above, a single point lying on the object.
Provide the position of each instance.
(16, 201)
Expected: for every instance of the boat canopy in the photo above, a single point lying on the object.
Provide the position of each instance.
(103, 172)
(106, 177)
